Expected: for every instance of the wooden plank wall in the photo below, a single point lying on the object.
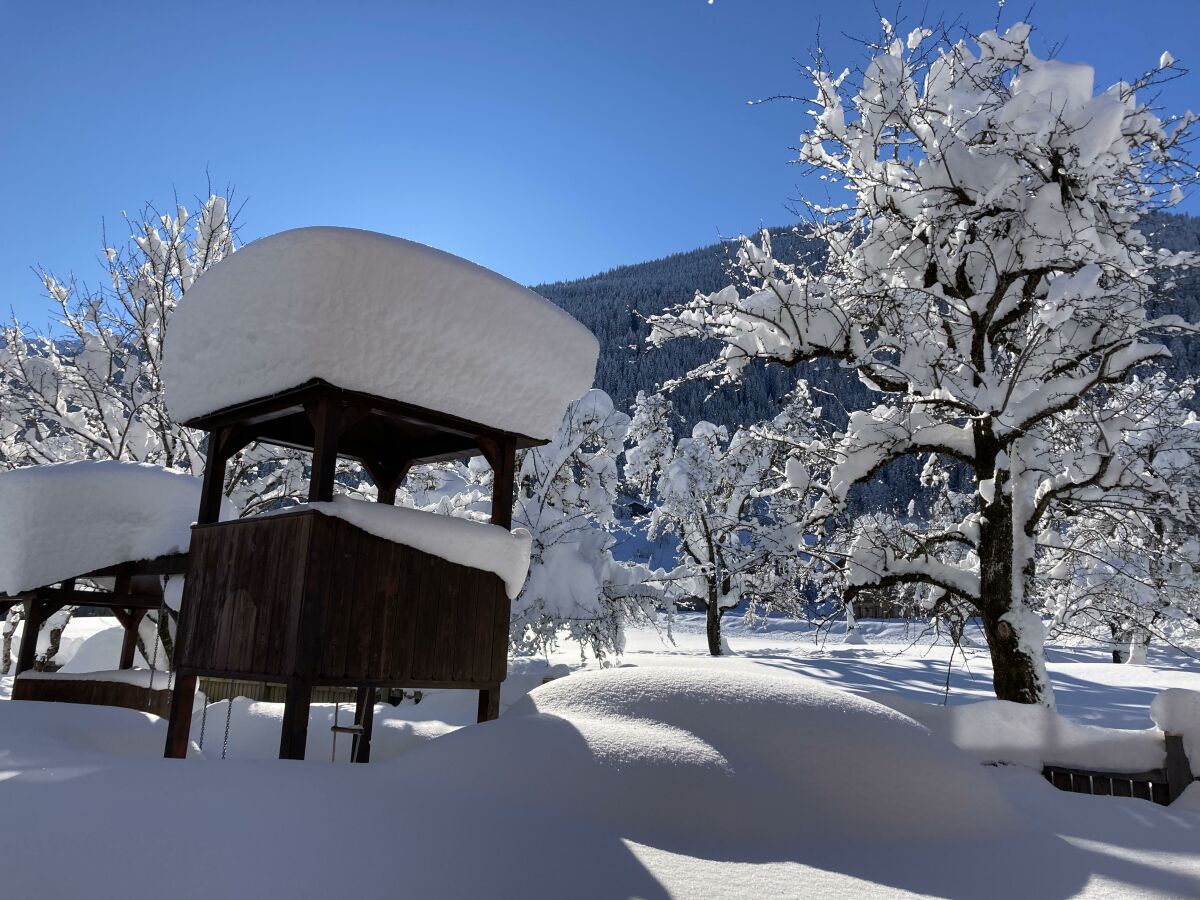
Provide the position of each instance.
(313, 596)
(94, 693)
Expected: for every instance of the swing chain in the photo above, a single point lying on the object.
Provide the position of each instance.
(228, 718)
(337, 708)
(154, 656)
(203, 722)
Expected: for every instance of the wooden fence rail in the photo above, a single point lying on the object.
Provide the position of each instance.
(1161, 786)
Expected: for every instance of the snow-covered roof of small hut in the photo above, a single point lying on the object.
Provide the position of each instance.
(67, 519)
(378, 314)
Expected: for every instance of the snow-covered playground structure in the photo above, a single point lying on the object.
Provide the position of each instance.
(91, 533)
(356, 345)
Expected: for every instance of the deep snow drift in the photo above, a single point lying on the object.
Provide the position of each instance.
(683, 777)
(61, 520)
(379, 314)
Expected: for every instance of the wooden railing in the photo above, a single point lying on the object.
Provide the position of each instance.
(1161, 786)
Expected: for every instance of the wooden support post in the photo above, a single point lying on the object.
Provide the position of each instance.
(1179, 770)
(387, 477)
(179, 725)
(213, 486)
(502, 457)
(131, 621)
(364, 718)
(35, 614)
(223, 443)
(325, 416)
(295, 719)
(489, 704)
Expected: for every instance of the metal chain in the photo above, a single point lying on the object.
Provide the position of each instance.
(154, 658)
(337, 708)
(228, 718)
(203, 722)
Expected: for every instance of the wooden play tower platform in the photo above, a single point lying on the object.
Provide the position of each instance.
(306, 599)
(367, 348)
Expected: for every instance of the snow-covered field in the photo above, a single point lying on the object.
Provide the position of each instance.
(675, 776)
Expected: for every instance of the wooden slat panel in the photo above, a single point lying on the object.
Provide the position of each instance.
(501, 613)
(364, 606)
(447, 613)
(425, 586)
(387, 590)
(310, 617)
(93, 693)
(306, 595)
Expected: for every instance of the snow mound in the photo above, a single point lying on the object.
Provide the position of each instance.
(62, 520)
(683, 757)
(39, 732)
(998, 731)
(378, 314)
(479, 545)
(98, 652)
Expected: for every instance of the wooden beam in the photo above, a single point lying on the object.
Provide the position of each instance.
(35, 615)
(325, 415)
(171, 564)
(364, 718)
(75, 597)
(502, 457)
(131, 621)
(294, 735)
(290, 401)
(179, 725)
(387, 477)
(212, 489)
(489, 704)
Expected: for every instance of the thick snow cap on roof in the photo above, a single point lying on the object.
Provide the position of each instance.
(378, 314)
(67, 519)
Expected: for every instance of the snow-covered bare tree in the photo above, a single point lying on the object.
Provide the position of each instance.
(91, 386)
(987, 280)
(714, 493)
(565, 494)
(1121, 565)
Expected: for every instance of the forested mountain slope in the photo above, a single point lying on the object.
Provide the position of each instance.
(613, 304)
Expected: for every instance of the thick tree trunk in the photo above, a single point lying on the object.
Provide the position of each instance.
(1118, 639)
(1014, 632)
(713, 626)
(10, 625)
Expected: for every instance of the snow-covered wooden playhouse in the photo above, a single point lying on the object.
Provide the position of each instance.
(360, 346)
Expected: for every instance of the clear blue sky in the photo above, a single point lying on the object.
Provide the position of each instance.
(545, 139)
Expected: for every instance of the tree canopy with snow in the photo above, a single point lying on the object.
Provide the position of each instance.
(727, 500)
(986, 278)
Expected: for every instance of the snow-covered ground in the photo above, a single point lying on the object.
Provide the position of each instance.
(676, 776)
